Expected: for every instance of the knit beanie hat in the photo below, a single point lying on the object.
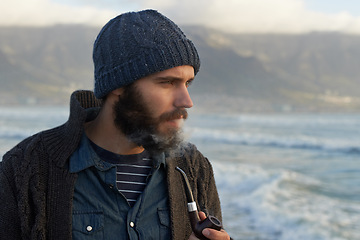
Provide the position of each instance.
(136, 44)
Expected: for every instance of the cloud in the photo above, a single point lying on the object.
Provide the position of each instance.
(45, 12)
(255, 16)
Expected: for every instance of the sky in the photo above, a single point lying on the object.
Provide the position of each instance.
(235, 16)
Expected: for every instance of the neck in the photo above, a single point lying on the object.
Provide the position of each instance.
(103, 132)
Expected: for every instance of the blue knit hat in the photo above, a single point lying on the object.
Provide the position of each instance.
(136, 44)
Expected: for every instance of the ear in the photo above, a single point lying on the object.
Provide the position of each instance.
(117, 91)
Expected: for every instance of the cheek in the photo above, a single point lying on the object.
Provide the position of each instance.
(158, 104)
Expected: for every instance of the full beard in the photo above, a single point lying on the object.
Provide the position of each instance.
(134, 119)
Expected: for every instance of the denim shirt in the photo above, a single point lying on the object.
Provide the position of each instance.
(101, 212)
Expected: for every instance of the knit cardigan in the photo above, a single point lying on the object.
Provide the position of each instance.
(36, 187)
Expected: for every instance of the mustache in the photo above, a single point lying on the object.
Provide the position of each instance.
(176, 114)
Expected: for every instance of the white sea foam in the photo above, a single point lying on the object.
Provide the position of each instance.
(350, 144)
(281, 204)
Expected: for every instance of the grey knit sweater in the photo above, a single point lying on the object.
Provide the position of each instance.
(36, 188)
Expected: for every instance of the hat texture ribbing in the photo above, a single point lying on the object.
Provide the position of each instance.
(136, 44)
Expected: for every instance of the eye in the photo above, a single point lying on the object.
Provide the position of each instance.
(188, 83)
(167, 82)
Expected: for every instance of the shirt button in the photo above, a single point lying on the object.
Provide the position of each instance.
(89, 228)
(132, 224)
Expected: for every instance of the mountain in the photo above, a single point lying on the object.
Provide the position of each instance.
(239, 72)
(268, 72)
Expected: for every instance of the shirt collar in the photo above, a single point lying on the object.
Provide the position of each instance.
(159, 159)
(85, 157)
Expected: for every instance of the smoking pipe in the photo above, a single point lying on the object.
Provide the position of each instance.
(197, 225)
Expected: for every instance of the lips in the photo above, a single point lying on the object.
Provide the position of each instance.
(176, 123)
(174, 115)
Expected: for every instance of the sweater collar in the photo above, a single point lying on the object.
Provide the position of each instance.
(62, 141)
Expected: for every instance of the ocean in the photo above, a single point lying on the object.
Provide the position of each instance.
(280, 176)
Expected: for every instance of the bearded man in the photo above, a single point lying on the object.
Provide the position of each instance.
(109, 171)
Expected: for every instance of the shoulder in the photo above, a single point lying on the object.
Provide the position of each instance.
(17, 162)
(191, 160)
(18, 159)
(27, 151)
(31, 143)
(189, 153)
(19, 151)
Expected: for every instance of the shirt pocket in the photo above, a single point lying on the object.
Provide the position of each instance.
(164, 219)
(88, 225)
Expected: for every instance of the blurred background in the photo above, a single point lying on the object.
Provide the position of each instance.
(277, 99)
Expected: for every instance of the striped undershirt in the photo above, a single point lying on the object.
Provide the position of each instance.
(132, 171)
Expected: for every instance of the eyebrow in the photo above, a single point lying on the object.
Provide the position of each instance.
(173, 78)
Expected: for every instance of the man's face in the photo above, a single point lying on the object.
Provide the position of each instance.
(151, 111)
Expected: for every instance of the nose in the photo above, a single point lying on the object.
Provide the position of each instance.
(183, 99)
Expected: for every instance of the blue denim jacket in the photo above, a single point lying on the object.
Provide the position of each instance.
(101, 212)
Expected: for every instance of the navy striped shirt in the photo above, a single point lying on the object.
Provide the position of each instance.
(132, 171)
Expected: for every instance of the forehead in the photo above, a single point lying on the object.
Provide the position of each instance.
(184, 72)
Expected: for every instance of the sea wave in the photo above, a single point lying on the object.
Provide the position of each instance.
(15, 133)
(341, 145)
(303, 120)
(282, 204)
(21, 122)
